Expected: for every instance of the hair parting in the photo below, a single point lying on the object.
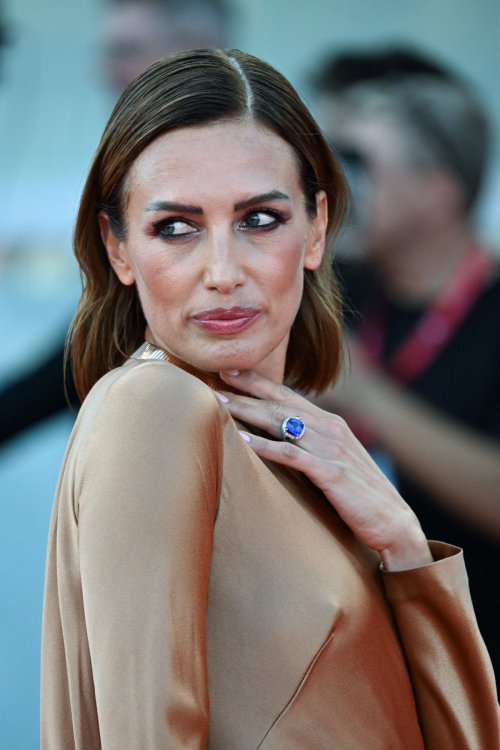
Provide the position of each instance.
(244, 80)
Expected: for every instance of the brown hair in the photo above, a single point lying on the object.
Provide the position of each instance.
(201, 86)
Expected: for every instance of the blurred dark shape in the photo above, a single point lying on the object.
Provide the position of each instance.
(136, 33)
(414, 140)
(341, 71)
(5, 34)
(35, 396)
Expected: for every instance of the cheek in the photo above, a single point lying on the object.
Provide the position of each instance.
(162, 283)
(283, 275)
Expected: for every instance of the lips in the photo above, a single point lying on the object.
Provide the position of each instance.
(226, 320)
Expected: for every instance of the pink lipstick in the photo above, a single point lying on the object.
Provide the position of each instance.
(226, 320)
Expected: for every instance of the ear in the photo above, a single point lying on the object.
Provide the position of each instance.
(115, 250)
(317, 240)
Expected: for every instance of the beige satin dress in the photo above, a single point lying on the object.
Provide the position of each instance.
(197, 597)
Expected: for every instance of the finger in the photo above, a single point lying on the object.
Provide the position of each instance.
(284, 453)
(265, 389)
(268, 415)
(348, 485)
(326, 436)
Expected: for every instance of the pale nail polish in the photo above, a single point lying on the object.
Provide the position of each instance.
(245, 436)
(223, 398)
(233, 373)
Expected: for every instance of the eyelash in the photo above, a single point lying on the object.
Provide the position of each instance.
(278, 216)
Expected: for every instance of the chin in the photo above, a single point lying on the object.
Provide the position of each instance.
(231, 362)
(231, 355)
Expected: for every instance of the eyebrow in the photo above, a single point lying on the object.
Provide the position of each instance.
(273, 195)
(173, 206)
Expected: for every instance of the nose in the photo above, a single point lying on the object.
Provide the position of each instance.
(223, 271)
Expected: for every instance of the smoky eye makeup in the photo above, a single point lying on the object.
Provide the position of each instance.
(173, 227)
(256, 220)
(272, 218)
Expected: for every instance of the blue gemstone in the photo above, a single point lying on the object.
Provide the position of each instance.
(295, 426)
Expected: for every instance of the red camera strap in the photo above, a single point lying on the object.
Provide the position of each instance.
(437, 324)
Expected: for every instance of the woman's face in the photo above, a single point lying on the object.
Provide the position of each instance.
(217, 241)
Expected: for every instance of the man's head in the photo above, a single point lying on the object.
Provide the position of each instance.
(137, 33)
(416, 136)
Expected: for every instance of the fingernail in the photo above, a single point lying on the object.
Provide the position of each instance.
(245, 436)
(232, 373)
(223, 398)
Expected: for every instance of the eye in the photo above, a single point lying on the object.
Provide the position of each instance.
(261, 220)
(173, 228)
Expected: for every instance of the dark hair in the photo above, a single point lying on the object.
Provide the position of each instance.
(345, 69)
(196, 87)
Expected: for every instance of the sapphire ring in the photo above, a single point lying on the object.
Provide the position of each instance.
(292, 428)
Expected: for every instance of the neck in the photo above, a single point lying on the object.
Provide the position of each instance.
(416, 274)
(272, 367)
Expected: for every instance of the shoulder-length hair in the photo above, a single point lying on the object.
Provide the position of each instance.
(196, 87)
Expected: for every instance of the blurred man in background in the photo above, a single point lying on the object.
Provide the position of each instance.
(134, 34)
(137, 33)
(424, 299)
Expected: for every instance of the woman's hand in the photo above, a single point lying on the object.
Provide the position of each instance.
(336, 463)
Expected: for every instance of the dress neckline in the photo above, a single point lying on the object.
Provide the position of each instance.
(212, 379)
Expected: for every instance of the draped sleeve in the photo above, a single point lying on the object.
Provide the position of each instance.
(123, 649)
(450, 670)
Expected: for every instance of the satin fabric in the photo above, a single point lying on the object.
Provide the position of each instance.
(198, 597)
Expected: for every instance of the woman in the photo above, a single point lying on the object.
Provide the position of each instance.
(209, 582)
